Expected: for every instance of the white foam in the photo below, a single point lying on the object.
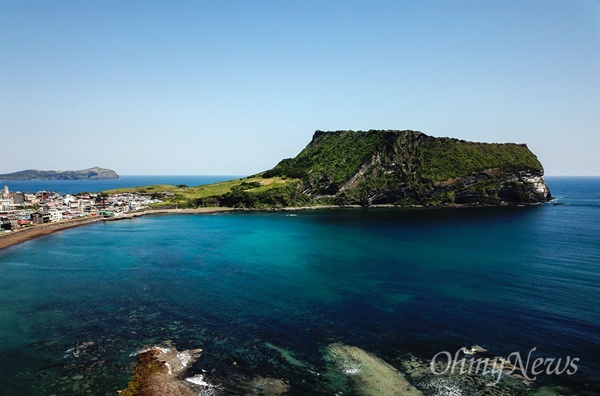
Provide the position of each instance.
(69, 352)
(163, 350)
(352, 371)
(184, 358)
(198, 379)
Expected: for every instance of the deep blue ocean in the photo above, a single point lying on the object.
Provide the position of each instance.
(396, 283)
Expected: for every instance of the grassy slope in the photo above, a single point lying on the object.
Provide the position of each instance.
(183, 195)
(336, 156)
(386, 160)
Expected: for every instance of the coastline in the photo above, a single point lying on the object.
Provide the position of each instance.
(14, 237)
(8, 239)
(203, 210)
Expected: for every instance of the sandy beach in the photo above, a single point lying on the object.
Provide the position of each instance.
(24, 234)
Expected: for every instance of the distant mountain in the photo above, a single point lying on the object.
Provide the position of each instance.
(95, 173)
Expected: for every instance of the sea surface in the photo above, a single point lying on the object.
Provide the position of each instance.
(78, 186)
(265, 293)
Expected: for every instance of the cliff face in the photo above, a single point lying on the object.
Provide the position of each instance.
(94, 173)
(411, 168)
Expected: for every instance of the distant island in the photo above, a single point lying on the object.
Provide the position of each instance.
(95, 173)
(379, 167)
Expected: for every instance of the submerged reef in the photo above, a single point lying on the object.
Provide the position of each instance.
(368, 374)
(344, 370)
(159, 372)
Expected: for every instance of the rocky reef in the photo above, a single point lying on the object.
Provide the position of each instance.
(160, 370)
(368, 374)
(163, 370)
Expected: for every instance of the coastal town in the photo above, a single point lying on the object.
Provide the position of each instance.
(22, 210)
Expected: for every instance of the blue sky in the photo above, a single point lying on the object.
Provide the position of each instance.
(233, 87)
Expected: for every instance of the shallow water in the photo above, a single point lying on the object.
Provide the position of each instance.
(76, 304)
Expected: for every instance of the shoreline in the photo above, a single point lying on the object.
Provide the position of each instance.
(8, 239)
(203, 210)
(21, 235)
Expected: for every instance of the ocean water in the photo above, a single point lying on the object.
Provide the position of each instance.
(124, 181)
(76, 304)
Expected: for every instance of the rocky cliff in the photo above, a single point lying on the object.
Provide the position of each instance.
(94, 173)
(409, 168)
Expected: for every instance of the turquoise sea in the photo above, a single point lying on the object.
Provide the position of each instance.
(254, 288)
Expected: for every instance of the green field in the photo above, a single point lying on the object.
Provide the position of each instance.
(189, 196)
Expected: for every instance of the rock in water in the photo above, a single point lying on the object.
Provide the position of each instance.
(370, 375)
(158, 372)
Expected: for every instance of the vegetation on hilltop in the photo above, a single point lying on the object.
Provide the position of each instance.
(336, 156)
(403, 168)
(446, 158)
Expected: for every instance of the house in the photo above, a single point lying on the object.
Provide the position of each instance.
(6, 204)
(84, 206)
(55, 215)
(18, 198)
(5, 223)
(9, 222)
(40, 217)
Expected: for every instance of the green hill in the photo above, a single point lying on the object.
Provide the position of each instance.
(402, 168)
(411, 168)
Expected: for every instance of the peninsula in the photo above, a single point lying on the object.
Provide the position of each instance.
(379, 167)
(95, 173)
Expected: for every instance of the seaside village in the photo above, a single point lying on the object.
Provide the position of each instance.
(19, 209)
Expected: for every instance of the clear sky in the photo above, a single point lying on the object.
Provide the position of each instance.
(200, 87)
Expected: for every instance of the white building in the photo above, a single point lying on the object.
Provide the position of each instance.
(6, 204)
(84, 206)
(69, 199)
(55, 215)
